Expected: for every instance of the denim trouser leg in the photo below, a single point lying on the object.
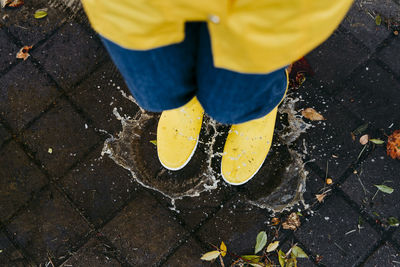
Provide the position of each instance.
(168, 77)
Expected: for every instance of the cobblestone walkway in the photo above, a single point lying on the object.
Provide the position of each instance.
(61, 203)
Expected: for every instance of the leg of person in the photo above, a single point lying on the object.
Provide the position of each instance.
(163, 79)
(249, 102)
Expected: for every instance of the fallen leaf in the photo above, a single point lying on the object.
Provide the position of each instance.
(23, 52)
(154, 142)
(251, 258)
(364, 139)
(223, 249)
(378, 20)
(393, 221)
(298, 252)
(396, 33)
(50, 150)
(4, 3)
(282, 258)
(320, 197)
(40, 13)
(361, 129)
(275, 221)
(16, 3)
(312, 114)
(261, 241)
(377, 141)
(329, 181)
(393, 145)
(209, 256)
(384, 188)
(318, 258)
(272, 246)
(292, 223)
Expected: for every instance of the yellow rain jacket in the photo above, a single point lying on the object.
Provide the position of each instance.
(249, 36)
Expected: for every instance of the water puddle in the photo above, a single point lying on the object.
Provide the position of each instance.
(279, 184)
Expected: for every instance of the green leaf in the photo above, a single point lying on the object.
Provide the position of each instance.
(256, 265)
(282, 258)
(393, 221)
(251, 258)
(361, 129)
(261, 241)
(384, 188)
(298, 252)
(378, 20)
(209, 256)
(299, 213)
(40, 13)
(154, 142)
(377, 141)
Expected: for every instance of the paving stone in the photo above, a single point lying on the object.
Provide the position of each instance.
(9, 255)
(8, 51)
(237, 224)
(25, 93)
(22, 24)
(144, 231)
(314, 185)
(99, 187)
(390, 55)
(386, 255)
(360, 21)
(20, 179)
(328, 140)
(4, 134)
(100, 94)
(326, 230)
(340, 51)
(93, 253)
(396, 236)
(64, 131)
(76, 51)
(188, 254)
(372, 94)
(377, 169)
(49, 227)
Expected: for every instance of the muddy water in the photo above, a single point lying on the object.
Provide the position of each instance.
(279, 184)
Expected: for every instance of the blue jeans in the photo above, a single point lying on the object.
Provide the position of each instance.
(170, 76)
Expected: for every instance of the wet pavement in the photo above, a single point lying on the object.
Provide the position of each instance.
(81, 185)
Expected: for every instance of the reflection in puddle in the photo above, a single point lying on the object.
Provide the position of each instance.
(279, 184)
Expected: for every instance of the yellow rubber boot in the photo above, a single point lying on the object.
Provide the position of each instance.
(178, 134)
(246, 148)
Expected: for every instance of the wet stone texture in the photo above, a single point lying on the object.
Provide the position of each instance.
(99, 187)
(20, 180)
(10, 256)
(4, 134)
(328, 141)
(8, 51)
(24, 97)
(144, 231)
(390, 55)
(325, 234)
(374, 105)
(338, 50)
(386, 255)
(28, 30)
(360, 21)
(49, 227)
(187, 255)
(377, 169)
(77, 53)
(63, 131)
(105, 87)
(94, 253)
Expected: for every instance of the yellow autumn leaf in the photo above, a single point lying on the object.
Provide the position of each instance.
(209, 256)
(272, 246)
(223, 249)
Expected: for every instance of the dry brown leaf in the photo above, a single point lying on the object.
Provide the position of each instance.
(292, 223)
(3, 3)
(320, 197)
(23, 52)
(364, 139)
(275, 221)
(393, 145)
(16, 3)
(312, 114)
